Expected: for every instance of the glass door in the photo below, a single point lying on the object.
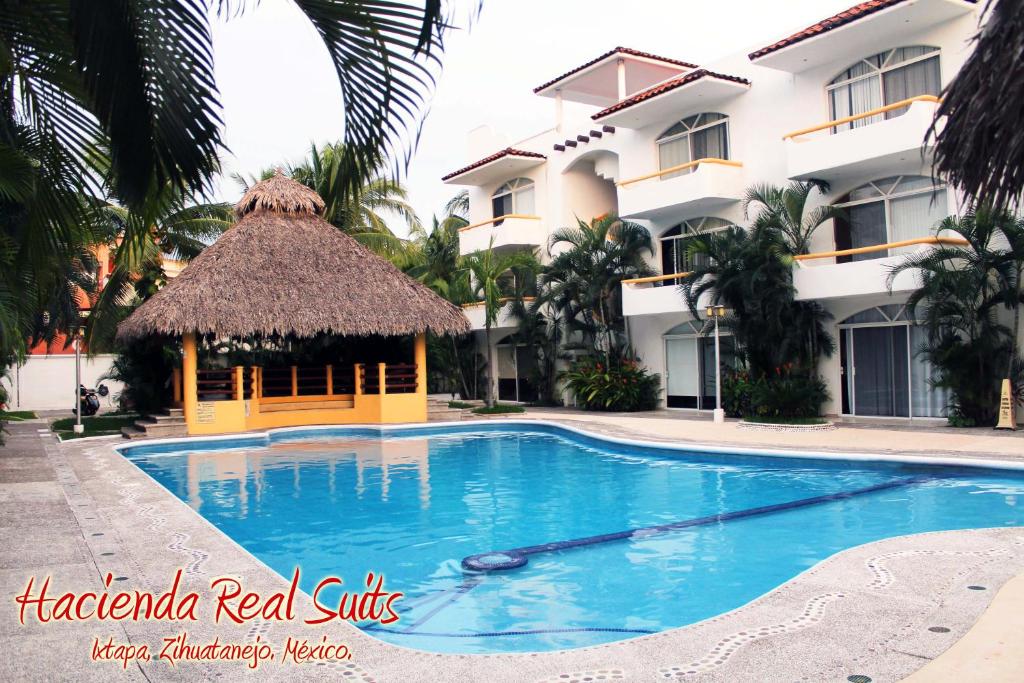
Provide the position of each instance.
(682, 376)
(877, 364)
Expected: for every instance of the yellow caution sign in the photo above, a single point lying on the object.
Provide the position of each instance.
(1007, 419)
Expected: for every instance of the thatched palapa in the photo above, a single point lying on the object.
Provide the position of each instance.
(282, 269)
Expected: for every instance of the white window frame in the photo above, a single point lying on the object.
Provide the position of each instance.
(724, 121)
(696, 230)
(878, 72)
(513, 188)
(888, 197)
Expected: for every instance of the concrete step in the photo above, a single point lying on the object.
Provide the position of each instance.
(174, 412)
(448, 415)
(153, 428)
(165, 419)
(133, 432)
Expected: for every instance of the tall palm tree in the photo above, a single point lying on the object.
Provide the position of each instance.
(583, 280)
(785, 209)
(962, 289)
(979, 143)
(750, 273)
(489, 273)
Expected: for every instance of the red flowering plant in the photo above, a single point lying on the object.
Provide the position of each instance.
(616, 384)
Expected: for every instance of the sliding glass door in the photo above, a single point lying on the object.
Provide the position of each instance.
(690, 370)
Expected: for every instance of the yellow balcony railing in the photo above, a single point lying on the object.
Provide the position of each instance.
(857, 117)
(496, 219)
(958, 241)
(680, 167)
(655, 278)
(504, 300)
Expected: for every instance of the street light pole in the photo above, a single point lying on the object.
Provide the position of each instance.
(78, 428)
(717, 312)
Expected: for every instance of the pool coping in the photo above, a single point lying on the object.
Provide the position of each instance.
(621, 658)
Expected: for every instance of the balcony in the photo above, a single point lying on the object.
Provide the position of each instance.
(476, 313)
(653, 295)
(705, 184)
(511, 231)
(880, 149)
(831, 280)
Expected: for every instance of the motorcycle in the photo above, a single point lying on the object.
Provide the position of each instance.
(90, 399)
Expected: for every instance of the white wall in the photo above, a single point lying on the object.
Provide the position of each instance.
(48, 382)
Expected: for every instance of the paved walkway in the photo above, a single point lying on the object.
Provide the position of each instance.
(78, 511)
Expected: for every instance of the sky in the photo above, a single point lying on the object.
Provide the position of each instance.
(279, 91)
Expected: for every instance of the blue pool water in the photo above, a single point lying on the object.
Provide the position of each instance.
(413, 504)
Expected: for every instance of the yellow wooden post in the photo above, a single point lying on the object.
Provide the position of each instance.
(239, 382)
(420, 355)
(382, 374)
(176, 385)
(295, 381)
(189, 368)
(254, 383)
(330, 380)
(358, 375)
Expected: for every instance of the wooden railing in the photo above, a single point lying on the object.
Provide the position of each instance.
(499, 219)
(958, 241)
(219, 385)
(865, 115)
(292, 382)
(655, 279)
(396, 378)
(680, 167)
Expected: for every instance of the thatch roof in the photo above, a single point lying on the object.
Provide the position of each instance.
(282, 269)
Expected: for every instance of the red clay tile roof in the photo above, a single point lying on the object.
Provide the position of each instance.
(845, 17)
(508, 151)
(656, 90)
(618, 50)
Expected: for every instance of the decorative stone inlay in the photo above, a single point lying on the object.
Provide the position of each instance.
(813, 612)
(765, 427)
(883, 576)
(586, 676)
(194, 567)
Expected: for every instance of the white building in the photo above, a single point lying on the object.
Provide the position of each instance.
(848, 101)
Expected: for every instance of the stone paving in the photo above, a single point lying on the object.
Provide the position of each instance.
(78, 511)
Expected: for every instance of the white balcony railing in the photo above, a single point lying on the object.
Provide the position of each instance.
(513, 230)
(653, 295)
(701, 186)
(885, 147)
(477, 312)
(831, 280)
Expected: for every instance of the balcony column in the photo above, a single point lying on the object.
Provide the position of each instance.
(189, 369)
(620, 66)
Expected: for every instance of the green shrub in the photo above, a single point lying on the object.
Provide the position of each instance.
(736, 391)
(461, 405)
(145, 366)
(499, 409)
(622, 386)
(790, 393)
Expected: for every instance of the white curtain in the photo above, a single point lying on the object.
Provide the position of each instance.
(674, 153)
(920, 78)
(916, 216)
(857, 98)
(926, 400)
(524, 203)
(683, 377)
(711, 143)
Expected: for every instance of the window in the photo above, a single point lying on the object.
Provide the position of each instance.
(882, 79)
(514, 197)
(702, 136)
(888, 210)
(884, 372)
(674, 242)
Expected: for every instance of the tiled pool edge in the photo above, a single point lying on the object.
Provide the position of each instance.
(737, 638)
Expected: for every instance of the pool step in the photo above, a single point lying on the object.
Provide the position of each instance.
(171, 422)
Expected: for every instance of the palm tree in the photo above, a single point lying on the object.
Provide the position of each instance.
(489, 273)
(361, 212)
(140, 75)
(750, 273)
(583, 281)
(962, 288)
(171, 227)
(783, 208)
(979, 143)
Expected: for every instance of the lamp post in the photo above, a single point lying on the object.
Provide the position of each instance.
(717, 312)
(78, 428)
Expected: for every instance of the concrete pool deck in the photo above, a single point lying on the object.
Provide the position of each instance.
(78, 510)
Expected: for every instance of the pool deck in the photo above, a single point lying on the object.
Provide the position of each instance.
(946, 605)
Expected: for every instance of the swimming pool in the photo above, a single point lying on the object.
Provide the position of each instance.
(702, 532)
